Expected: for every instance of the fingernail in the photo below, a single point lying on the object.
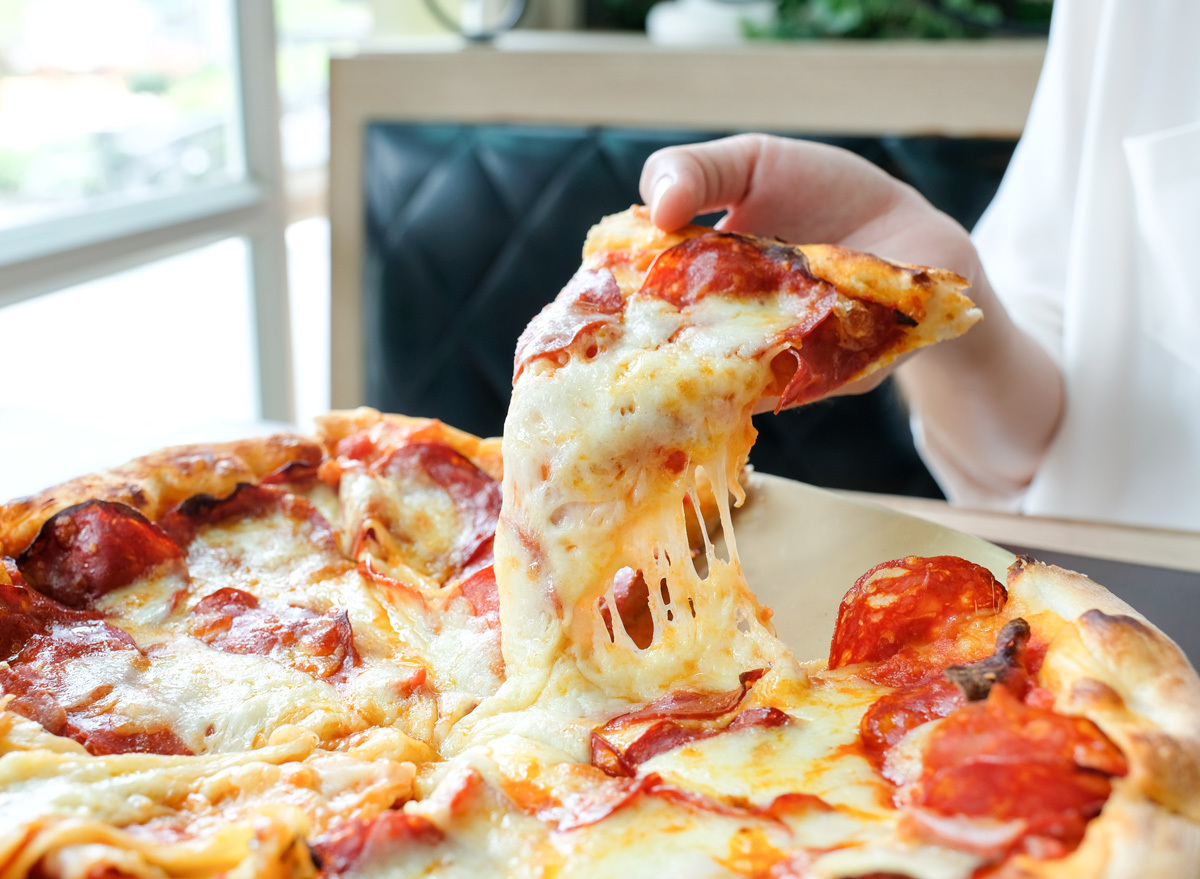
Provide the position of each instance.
(660, 188)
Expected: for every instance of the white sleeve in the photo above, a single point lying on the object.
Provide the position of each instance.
(1024, 237)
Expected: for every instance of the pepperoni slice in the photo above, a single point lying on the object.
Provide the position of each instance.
(689, 705)
(608, 758)
(660, 737)
(595, 803)
(765, 718)
(233, 621)
(60, 665)
(1004, 791)
(100, 739)
(358, 446)
(345, 846)
(844, 343)
(1004, 729)
(402, 590)
(775, 810)
(891, 717)
(88, 550)
(666, 735)
(418, 467)
(481, 593)
(832, 338)
(633, 606)
(894, 715)
(247, 502)
(910, 602)
(1002, 759)
(31, 623)
(733, 265)
(590, 300)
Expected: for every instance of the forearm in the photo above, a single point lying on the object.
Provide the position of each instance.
(991, 401)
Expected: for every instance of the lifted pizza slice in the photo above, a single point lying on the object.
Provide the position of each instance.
(633, 390)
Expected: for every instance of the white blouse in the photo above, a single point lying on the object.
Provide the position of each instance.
(1093, 244)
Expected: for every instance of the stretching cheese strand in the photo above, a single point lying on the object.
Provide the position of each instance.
(596, 481)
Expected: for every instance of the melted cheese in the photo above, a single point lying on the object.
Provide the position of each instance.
(596, 483)
(588, 491)
(227, 702)
(241, 697)
(814, 753)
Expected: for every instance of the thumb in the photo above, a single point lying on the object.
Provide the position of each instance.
(680, 182)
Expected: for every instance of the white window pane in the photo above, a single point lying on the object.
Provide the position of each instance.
(149, 352)
(308, 31)
(308, 287)
(131, 99)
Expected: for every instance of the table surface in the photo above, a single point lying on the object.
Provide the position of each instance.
(1158, 547)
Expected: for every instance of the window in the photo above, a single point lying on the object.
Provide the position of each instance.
(133, 100)
(183, 346)
(141, 130)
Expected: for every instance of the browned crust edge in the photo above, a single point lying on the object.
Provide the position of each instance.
(1130, 839)
(855, 273)
(1110, 664)
(484, 452)
(154, 484)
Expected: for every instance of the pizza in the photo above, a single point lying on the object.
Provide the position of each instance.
(396, 649)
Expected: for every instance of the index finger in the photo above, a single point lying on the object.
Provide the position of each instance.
(800, 190)
(682, 181)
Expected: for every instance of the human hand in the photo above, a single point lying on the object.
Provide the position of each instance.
(992, 395)
(806, 193)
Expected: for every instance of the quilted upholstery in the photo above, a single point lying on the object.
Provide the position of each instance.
(472, 229)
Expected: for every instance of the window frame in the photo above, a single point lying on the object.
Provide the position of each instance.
(52, 254)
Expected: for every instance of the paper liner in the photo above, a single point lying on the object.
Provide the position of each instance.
(802, 547)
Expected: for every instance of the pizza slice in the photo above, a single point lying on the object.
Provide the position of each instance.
(632, 395)
(826, 315)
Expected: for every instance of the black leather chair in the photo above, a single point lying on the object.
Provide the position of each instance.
(471, 229)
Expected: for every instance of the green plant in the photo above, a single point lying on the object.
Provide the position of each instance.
(14, 166)
(904, 19)
(154, 82)
(618, 14)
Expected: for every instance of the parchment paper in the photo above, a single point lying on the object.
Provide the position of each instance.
(802, 548)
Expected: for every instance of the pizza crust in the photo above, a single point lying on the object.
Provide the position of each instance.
(908, 288)
(628, 243)
(484, 452)
(156, 483)
(1130, 839)
(1111, 665)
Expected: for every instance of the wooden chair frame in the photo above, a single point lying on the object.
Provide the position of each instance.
(968, 89)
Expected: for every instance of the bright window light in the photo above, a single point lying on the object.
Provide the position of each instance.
(153, 350)
(107, 101)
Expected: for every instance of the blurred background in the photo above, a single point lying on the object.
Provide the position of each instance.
(165, 256)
